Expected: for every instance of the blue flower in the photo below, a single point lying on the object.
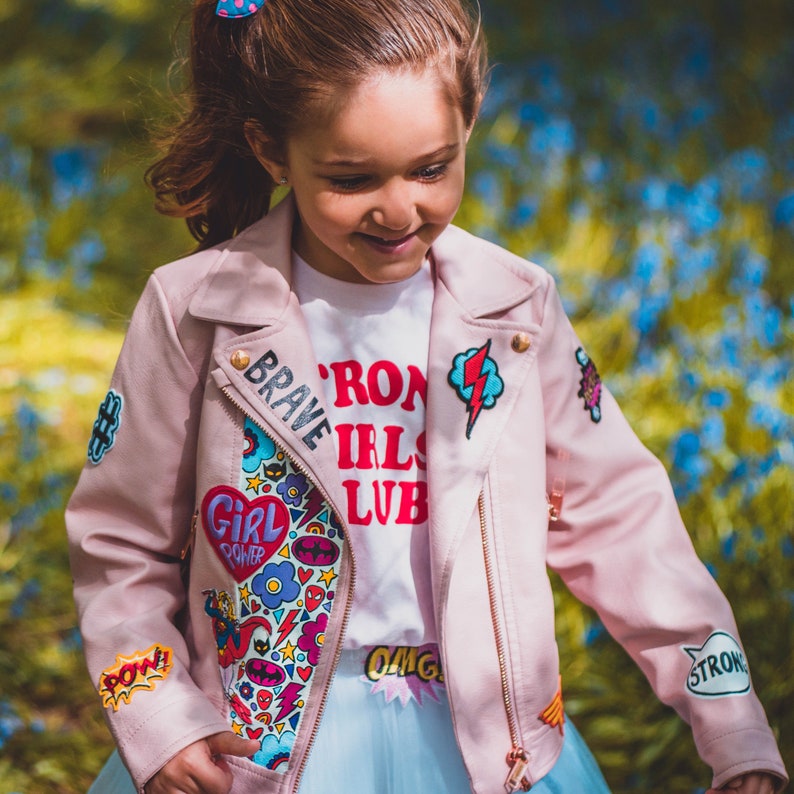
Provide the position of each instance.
(246, 690)
(293, 489)
(276, 584)
(784, 212)
(713, 432)
(258, 447)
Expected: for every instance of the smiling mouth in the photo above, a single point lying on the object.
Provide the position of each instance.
(386, 242)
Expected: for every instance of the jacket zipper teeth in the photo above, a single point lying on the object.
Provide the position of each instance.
(517, 758)
(348, 606)
(186, 549)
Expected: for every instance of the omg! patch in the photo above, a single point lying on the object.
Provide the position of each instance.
(136, 673)
(719, 667)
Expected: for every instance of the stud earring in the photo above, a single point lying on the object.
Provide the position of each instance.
(283, 180)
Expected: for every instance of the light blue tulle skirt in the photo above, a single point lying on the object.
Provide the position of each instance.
(393, 735)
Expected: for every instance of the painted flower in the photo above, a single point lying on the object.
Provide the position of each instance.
(293, 489)
(256, 447)
(246, 690)
(251, 442)
(336, 525)
(313, 637)
(276, 584)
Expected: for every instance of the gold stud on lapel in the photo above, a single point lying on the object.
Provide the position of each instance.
(521, 342)
(240, 359)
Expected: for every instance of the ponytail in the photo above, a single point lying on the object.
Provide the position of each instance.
(208, 174)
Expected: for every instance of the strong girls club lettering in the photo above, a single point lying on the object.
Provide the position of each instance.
(396, 497)
(384, 458)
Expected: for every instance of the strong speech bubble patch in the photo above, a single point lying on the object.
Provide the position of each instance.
(719, 667)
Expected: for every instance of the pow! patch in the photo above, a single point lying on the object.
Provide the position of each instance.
(589, 385)
(475, 378)
(719, 667)
(107, 423)
(135, 673)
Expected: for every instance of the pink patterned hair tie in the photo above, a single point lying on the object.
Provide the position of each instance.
(237, 9)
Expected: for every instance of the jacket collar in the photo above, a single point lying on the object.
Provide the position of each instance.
(248, 283)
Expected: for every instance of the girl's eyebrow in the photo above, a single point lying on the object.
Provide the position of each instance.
(449, 150)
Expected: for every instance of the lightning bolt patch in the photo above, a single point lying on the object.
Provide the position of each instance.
(475, 378)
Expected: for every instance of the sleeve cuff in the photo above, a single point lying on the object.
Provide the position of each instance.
(731, 753)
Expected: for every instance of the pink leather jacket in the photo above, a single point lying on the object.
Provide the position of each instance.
(216, 411)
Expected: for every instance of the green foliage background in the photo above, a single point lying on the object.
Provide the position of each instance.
(642, 152)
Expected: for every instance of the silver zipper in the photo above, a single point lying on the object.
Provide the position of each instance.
(517, 758)
(348, 606)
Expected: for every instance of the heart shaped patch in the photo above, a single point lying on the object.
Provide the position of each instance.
(244, 533)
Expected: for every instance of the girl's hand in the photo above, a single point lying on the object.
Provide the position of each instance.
(753, 783)
(200, 768)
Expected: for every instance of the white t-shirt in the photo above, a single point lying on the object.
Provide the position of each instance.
(371, 343)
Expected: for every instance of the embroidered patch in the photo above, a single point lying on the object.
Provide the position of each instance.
(273, 390)
(107, 423)
(244, 534)
(136, 673)
(589, 385)
(281, 542)
(719, 667)
(554, 714)
(407, 673)
(475, 378)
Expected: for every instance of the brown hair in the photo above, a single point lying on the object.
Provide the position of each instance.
(270, 69)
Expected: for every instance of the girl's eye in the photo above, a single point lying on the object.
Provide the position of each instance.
(347, 183)
(430, 173)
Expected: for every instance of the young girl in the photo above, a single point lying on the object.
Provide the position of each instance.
(344, 440)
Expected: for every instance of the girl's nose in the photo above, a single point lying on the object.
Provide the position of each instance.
(394, 208)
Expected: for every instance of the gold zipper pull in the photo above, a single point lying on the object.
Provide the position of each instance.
(190, 538)
(554, 502)
(518, 761)
(554, 499)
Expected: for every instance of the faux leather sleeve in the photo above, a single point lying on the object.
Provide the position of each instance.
(622, 549)
(127, 522)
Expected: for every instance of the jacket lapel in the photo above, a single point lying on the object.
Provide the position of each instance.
(270, 371)
(480, 354)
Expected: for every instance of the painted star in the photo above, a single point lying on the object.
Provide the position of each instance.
(237, 727)
(327, 577)
(288, 651)
(255, 483)
(245, 593)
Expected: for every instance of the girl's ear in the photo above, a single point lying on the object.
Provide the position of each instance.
(266, 150)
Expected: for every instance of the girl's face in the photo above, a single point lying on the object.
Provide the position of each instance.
(378, 179)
